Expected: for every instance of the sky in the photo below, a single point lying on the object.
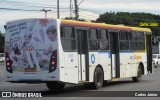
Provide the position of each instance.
(89, 9)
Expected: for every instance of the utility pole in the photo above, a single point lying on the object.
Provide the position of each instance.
(57, 9)
(44, 10)
(76, 10)
(70, 7)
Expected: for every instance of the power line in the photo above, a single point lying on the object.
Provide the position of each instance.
(20, 5)
(80, 2)
(15, 9)
(37, 5)
(83, 9)
(26, 3)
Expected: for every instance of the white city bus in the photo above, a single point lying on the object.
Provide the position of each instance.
(56, 52)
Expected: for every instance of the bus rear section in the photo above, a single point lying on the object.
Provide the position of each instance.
(31, 51)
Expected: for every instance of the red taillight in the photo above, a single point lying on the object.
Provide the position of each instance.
(53, 61)
(8, 63)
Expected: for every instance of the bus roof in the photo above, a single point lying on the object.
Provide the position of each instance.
(103, 25)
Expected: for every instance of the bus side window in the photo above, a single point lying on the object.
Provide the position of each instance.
(140, 40)
(133, 40)
(103, 36)
(123, 38)
(93, 39)
(68, 38)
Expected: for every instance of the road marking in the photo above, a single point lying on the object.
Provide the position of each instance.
(150, 83)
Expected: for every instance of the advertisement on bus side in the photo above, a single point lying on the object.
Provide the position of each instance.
(30, 44)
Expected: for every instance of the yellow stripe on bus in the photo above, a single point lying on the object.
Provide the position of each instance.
(115, 79)
(141, 29)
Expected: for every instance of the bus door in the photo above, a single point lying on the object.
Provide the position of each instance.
(115, 62)
(149, 53)
(82, 54)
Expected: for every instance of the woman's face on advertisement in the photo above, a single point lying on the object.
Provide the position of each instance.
(51, 36)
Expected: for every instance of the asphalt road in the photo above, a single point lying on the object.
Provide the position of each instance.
(149, 82)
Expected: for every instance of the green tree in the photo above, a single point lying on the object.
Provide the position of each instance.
(73, 18)
(130, 19)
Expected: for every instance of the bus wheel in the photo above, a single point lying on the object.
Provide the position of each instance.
(139, 75)
(98, 78)
(55, 85)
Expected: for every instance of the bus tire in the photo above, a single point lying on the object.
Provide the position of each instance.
(98, 78)
(55, 86)
(139, 75)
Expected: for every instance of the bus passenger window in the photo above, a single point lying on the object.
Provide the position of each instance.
(140, 40)
(93, 40)
(123, 38)
(93, 45)
(93, 34)
(103, 34)
(133, 45)
(124, 45)
(104, 44)
(133, 40)
(140, 36)
(67, 32)
(68, 38)
(140, 45)
(68, 44)
(133, 36)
